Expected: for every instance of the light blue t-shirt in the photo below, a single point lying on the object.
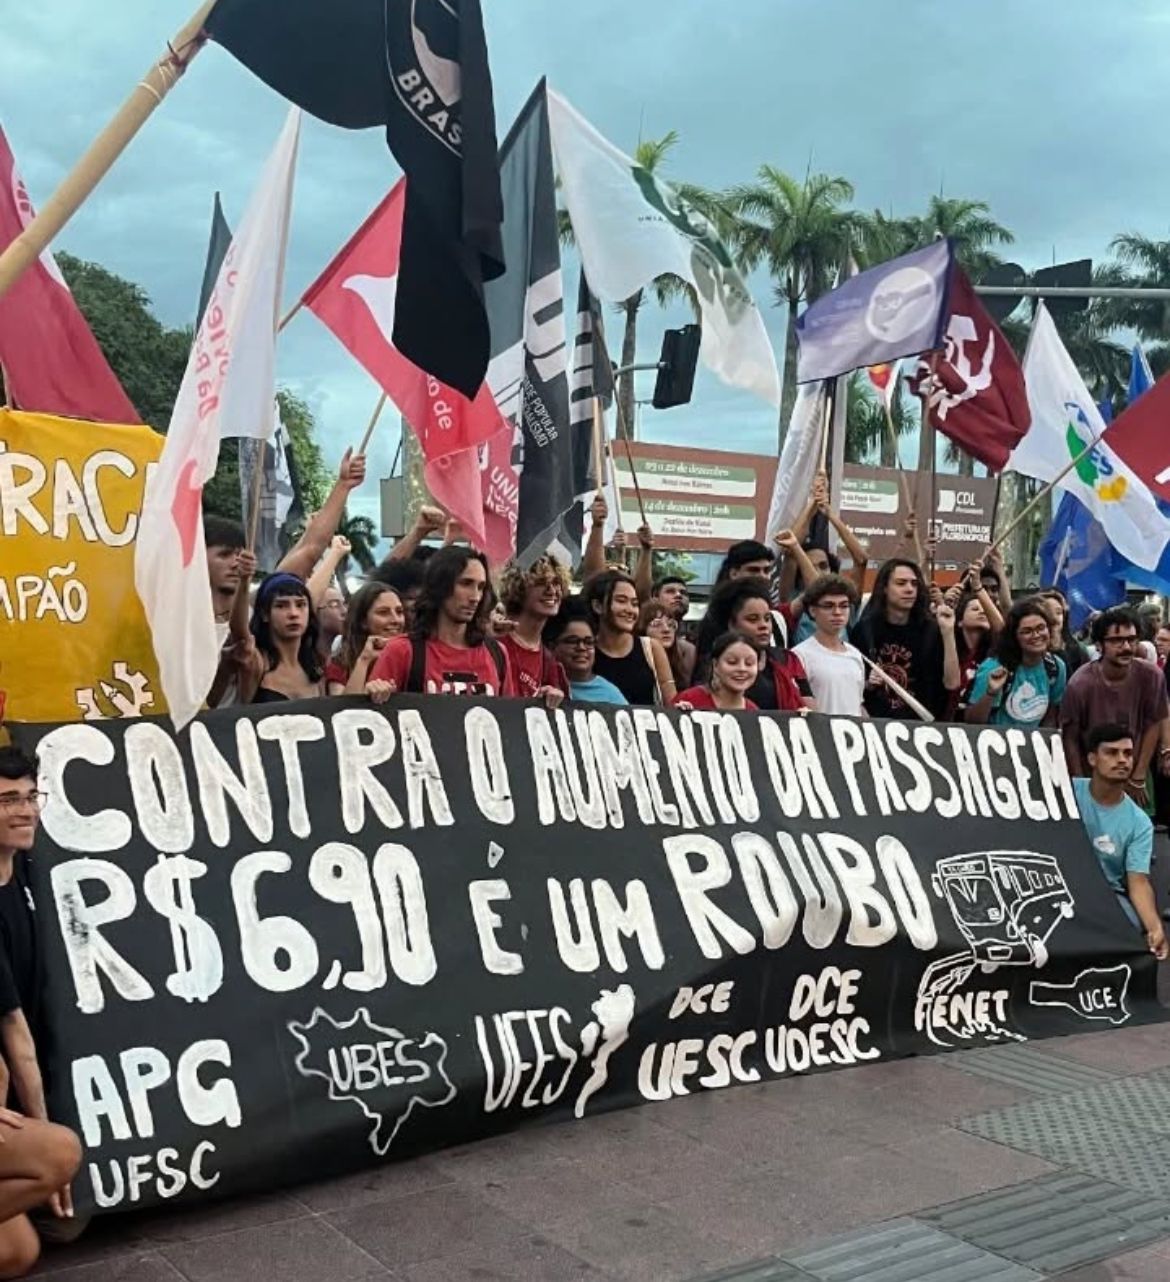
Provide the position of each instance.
(1026, 701)
(1122, 836)
(596, 690)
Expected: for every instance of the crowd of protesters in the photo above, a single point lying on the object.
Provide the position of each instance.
(786, 629)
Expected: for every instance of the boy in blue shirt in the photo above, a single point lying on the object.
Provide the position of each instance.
(1120, 832)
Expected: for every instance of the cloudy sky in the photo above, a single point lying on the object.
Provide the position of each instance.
(1048, 110)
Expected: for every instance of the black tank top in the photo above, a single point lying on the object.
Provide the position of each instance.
(633, 675)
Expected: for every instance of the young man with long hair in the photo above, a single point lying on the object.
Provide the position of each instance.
(897, 634)
(286, 663)
(450, 649)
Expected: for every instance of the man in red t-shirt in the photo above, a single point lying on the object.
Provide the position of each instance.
(449, 650)
(532, 597)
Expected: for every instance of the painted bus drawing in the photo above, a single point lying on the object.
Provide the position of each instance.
(1006, 903)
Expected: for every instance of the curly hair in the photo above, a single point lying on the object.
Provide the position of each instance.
(515, 580)
(1007, 648)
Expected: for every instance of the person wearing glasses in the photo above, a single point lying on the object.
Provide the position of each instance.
(1117, 689)
(572, 637)
(1022, 683)
(37, 1158)
(836, 670)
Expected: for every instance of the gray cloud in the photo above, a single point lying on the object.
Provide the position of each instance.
(1048, 111)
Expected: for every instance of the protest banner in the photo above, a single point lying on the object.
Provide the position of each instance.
(287, 944)
(76, 644)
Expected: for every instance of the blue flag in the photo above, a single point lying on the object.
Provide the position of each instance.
(1141, 379)
(875, 318)
(1077, 558)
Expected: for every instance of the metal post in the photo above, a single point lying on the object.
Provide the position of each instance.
(1073, 291)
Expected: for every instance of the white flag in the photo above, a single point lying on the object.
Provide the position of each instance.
(1064, 421)
(630, 228)
(800, 459)
(227, 390)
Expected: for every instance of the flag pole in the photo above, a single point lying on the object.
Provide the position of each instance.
(598, 448)
(257, 483)
(624, 432)
(292, 311)
(932, 516)
(377, 414)
(903, 476)
(7, 403)
(80, 182)
(1046, 490)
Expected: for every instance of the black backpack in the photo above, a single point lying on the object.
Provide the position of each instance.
(416, 681)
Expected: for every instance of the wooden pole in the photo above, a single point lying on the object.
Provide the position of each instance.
(598, 446)
(1045, 490)
(377, 414)
(830, 401)
(257, 483)
(7, 389)
(903, 477)
(292, 311)
(104, 150)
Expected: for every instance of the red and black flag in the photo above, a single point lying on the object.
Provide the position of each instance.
(419, 69)
(976, 394)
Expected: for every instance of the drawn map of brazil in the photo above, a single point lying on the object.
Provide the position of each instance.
(381, 1070)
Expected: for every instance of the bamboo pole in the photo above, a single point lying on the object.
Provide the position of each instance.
(377, 414)
(1044, 492)
(80, 182)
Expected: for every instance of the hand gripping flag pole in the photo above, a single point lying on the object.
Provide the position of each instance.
(105, 149)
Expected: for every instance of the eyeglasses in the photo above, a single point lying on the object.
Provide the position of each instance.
(1040, 630)
(1121, 640)
(577, 643)
(10, 801)
(832, 607)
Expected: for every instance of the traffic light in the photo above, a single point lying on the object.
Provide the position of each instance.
(676, 370)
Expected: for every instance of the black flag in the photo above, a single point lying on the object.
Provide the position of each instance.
(590, 384)
(420, 69)
(217, 248)
(526, 310)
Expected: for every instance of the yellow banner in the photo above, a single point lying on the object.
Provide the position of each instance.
(74, 643)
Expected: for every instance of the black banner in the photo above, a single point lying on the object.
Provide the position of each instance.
(289, 943)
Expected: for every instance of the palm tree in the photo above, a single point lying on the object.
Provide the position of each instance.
(1145, 264)
(363, 537)
(969, 225)
(865, 422)
(801, 233)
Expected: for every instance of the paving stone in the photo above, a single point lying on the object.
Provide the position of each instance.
(130, 1268)
(1054, 1223)
(905, 1251)
(532, 1259)
(299, 1251)
(1027, 1068)
(1051, 1126)
(758, 1271)
(1141, 1102)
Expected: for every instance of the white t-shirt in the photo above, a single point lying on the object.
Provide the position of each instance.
(837, 677)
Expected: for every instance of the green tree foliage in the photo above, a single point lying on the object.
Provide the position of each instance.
(149, 361)
(148, 358)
